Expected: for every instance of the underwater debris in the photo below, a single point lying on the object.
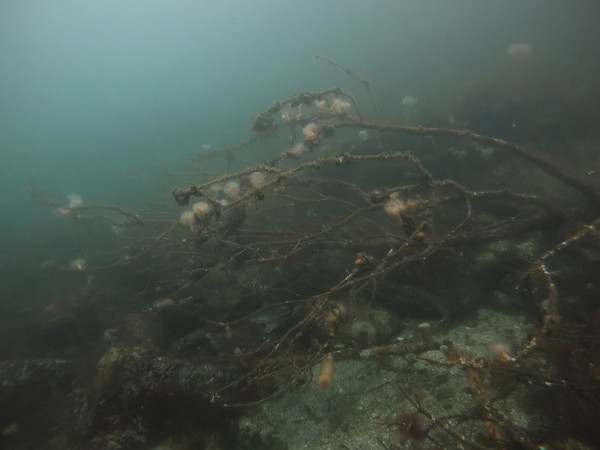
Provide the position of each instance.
(289, 262)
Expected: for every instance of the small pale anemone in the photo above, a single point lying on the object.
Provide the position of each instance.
(297, 150)
(321, 105)
(286, 116)
(394, 206)
(201, 209)
(340, 106)
(78, 264)
(74, 200)
(187, 218)
(310, 132)
(257, 180)
(232, 189)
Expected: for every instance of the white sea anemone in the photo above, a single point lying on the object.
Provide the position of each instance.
(187, 218)
(201, 209)
(257, 179)
(340, 106)
(310, 132)
(297, 150)
(394, 207)
(232, 189)
(74, 200)
(321, 104)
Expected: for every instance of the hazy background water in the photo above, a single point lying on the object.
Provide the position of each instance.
(97, 96)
